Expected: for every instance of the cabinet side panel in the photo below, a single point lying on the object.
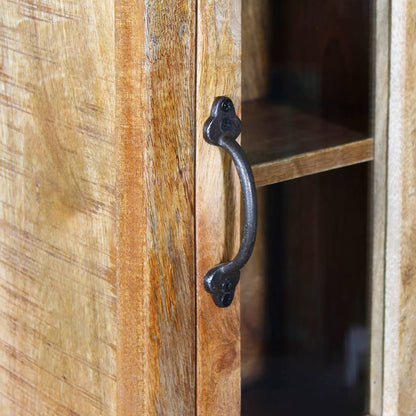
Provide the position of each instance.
(399, 381)
(407, 329)
(407, 349)
(217, 210)
(57, 208)
(155, 46)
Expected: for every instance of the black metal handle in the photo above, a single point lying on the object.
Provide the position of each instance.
(222, 129)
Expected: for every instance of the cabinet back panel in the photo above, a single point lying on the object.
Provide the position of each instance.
(315, 296)
(312, 54)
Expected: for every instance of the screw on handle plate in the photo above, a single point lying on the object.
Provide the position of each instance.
(222, 129)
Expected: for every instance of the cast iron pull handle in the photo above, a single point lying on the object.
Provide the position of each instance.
(222, 129)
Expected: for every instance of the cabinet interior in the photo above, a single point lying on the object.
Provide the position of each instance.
(305, 86)
(306, 71)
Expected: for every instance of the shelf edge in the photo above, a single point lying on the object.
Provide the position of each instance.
(313, 162)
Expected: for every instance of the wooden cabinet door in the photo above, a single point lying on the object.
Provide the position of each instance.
(393, 339)
(217, 210)
(97, 125)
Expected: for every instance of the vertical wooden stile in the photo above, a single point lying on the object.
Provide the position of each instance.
(155, 102)
(217, 209)
(381, 45)
(399, 364)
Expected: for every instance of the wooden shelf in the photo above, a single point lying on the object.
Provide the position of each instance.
(284, 143)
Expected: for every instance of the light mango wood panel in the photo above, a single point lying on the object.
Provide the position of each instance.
(97, 197)
(217, 210)
(313, 162)
(399, 363)
(381, 44)
(58, 298)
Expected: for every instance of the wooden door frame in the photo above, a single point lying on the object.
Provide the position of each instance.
(392, 294)
(217, 210)
(393, 350)
(381, 47)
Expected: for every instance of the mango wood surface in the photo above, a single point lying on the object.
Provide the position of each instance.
(381, 36)
(283, 143)
(399, 367)
(97, 311)
(217, 210)
(156, 96)
(58, 308)
(313, 162)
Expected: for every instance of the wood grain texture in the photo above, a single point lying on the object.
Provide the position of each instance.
(273, 131)
(255, 51)
(58, 333)
(217, 210)
(313, 162)
(97, 200)
(407, 349)
(156, 95)
(291, 143)
(399, 363)
(380, 71)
